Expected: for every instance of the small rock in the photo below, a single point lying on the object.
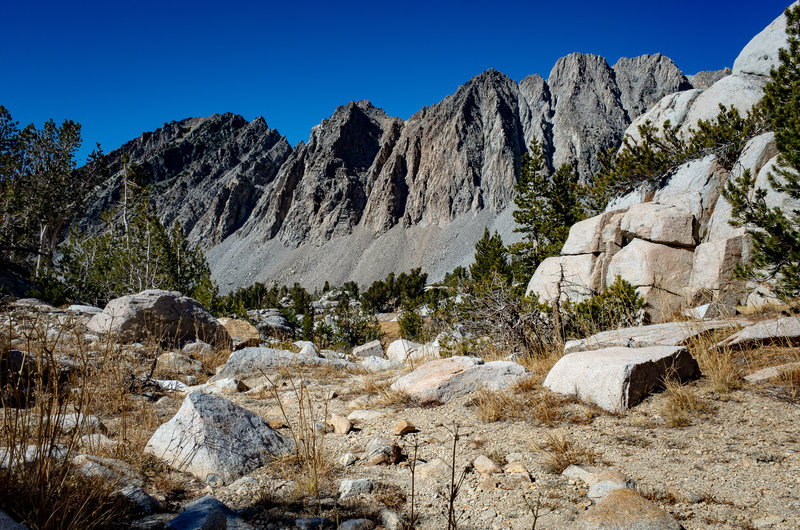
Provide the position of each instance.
(350, 487)
(379, 364)
(767, 522)
(207, 513)
(340, 424)
(370, 349)
(198, 348)
(515, 467)
(357, 524)
(403, 427)
(177, 363)
(601, 484)
(485, 465)
(435, 468)
(391, 520)
(313, 523)
(348, 459)
(382, 451)
(85, 423)
(363, 416)
(139, 498)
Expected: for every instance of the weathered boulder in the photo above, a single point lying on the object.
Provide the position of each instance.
(379, 364)
(658, 223)
(307, 348)
(177, 363)
(573, 277)
(400, 349)
(445, 379)
(382, 451)
(760, 55)
(197, 347)
(207, 513)
(253, 361)
(164, 315)
(585, 236)
(646, 264)
(783, 331)
(672, 107)
(601, 484)
(370, 349)
(626, 509)
(617, 378)
(243, 334)
(713, 269)
(665, 334)
(216, 440)
(695, 188)
(352, 487)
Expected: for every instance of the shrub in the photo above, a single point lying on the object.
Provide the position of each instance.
(617, 306)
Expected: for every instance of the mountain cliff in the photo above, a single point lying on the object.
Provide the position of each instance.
(368, 194)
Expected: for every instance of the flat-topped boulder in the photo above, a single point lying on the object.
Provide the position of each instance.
(253, 361)
(370, 349)
(243, 334)
(779, 331)
(164, 315)
(216, 440)
(400, 349)
(617, 378)
(445, 379)
(665, 334)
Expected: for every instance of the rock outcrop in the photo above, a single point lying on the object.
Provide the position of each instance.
(673, 241)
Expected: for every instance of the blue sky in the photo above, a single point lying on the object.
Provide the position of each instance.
(121, 68)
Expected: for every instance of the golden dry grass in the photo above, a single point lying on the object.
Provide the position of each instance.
(559, 452)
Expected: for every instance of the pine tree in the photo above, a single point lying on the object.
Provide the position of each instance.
(490, 256)
(776, 234)
(547, 206)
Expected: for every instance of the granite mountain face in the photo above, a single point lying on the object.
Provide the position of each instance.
(395, 193)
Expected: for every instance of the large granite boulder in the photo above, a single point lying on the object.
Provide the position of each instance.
(574, 277)
(216, 440)
(253, 361)
(665, 334)
(713, 278)
(658, 223)
(445, 379)
(617, 378)
(783, 331)
(207, 513)
(166, 316)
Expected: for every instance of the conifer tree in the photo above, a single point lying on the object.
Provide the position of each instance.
(547, 206)
(490, 256)
(776, 234)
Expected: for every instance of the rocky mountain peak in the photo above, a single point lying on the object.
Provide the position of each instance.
(644, 80)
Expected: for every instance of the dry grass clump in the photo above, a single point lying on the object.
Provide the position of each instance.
(55, 376)
(559, 452)
(719, 365)
(789, 379)
(382, 393)
(681, 402)
(311, 466)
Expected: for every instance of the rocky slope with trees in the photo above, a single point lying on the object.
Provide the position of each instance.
(369, 194)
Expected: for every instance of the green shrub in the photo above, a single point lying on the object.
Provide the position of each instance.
(618, 306)
(411, 325)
